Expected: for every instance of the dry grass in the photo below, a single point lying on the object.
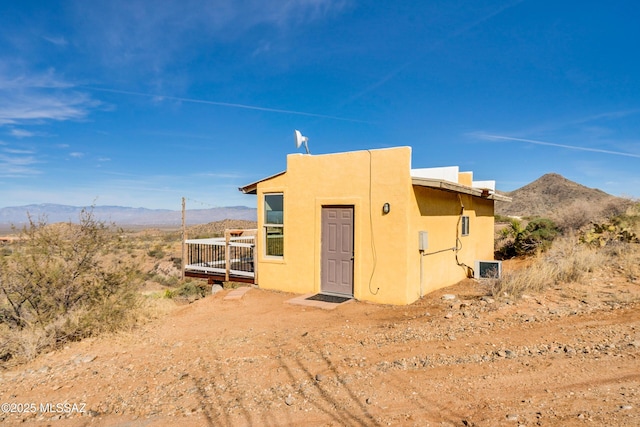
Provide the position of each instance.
(625, 260)
(531, 279)
(154, 306)
(216, 229)
(580, 213)
(24, 344)
(577, 215)
(152, 258)
(66, 282)
(567, 261)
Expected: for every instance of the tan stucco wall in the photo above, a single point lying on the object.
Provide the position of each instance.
(438, 213)
(465, 178)
(387, 260)
(351, 178)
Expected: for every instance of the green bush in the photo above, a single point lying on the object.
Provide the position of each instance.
(189, 291)
(156, 252)
(541, 233)
(624, 228)
(57, 286)
(516, 240)
(162, 279)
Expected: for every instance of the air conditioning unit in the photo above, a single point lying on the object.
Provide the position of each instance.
(487, 269)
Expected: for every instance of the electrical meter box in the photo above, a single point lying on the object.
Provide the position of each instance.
(423, 242)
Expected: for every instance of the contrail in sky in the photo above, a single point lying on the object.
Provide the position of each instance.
(225, 104)
(553, 144)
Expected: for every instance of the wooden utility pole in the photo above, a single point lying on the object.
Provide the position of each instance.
(184, 235)
(227, 253)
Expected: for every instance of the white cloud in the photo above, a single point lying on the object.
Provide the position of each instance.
(131, 32)
(296, 12)
(17, 160)
(35, 98)
(17, 151)
(16, 165)
(76, 155)
(17, 171)
(56, 40)
(36, 107)
(21, 133)
(23, 81)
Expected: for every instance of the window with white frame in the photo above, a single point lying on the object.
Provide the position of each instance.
(465, 225)
(274, 224)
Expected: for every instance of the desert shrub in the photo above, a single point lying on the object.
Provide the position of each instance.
(5, 251)
(58, 286)
(626, 257)
(540, 233)
(514, 284)
(566, 261)
(177, 262)
(629, 219)
(580, 213)
(507, 240)
(189, 291)
(156, 252)
(617, 207)
(171, 237)
(603, 234)
(576, 215)
(624, 227)
(518, 240)
(613, 243)
(162, 279)
(502, 219)
(573, 260)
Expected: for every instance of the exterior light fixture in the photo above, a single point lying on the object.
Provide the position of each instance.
(386, 208)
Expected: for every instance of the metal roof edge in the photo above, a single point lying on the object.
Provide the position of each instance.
(253, 187)
(441, 184)
(454, 187)
(500, 198)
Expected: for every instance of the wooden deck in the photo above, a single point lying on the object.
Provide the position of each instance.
(218, 277)
(223, 259)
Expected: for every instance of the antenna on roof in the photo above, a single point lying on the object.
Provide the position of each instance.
(301, 140)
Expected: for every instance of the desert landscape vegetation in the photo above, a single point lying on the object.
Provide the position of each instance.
(97, 328)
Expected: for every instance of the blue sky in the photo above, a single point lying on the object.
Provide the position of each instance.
(139, 103)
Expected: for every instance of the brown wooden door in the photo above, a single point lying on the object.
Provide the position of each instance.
(337, 250)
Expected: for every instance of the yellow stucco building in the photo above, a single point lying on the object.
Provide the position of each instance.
(364, 224)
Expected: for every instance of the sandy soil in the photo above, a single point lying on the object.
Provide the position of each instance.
(569, 357)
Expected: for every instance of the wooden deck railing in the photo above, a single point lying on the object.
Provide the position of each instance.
(232, 256)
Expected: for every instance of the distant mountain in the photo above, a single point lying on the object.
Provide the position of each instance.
(124, 215)
(548, 196)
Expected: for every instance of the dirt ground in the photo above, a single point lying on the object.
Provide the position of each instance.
(569, 357)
